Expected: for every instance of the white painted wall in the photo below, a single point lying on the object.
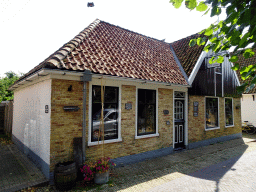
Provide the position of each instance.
(248, 108)
(31, 125)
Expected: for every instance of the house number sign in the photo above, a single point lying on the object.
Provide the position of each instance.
(46, 109)
(195, 109)
(128, 106)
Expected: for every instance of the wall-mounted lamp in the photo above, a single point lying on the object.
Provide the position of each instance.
(90, 4)
(166, 112)
(70, 88)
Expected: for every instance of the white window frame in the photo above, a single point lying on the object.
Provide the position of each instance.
(136, 114)
(119, 139)
(218, 127)
(232, 112)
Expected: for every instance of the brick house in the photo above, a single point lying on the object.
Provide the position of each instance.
(248, 100)
(214, 109)
(146, 109)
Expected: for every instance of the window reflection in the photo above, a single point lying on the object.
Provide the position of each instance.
(110, 113)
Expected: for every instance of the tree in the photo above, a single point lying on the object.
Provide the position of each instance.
(5, 83)
(237, 31)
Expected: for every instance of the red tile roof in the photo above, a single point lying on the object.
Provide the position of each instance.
(108, 49)
(187, 55)
(246, 62)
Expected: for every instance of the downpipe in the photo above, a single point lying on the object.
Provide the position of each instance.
(87, 76)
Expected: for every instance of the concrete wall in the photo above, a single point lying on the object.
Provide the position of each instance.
(196, 125)
(248, 107)
(31, 125)
(65, 126)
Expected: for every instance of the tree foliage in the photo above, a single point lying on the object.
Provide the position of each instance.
(236, 31)
(5, 83)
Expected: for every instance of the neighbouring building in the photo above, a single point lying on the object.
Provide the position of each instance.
(214, 109)
(248, 100)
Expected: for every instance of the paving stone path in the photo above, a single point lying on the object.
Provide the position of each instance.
(16, 170)
(227, 166)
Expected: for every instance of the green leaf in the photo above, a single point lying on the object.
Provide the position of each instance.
(220, 59)
(235, 67)
(191, 4)
(206, 11)
(206, 48)
(208, 32)
(201, 32)
(246, 72)
(244, 39)
(215, 11)
(248, 53)
(176, 3)
(192, 42)
(211, 61)
(201, 7)
(253, 80)
(233, 59)
(200, 41)
(240, 89)
(245, 69)
(212, 40)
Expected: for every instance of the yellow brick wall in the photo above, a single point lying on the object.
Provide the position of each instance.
(196, 125)
(67, 125)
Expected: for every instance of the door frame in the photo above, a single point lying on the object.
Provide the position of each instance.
(185, 118)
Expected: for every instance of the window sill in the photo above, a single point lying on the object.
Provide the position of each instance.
(105, 142)
(209, 129)
(229, 126)
(147, 136)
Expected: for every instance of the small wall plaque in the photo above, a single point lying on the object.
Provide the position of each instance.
(71, 108)
(128, 106)
(166, 112)
(195, 109)
(46, 108)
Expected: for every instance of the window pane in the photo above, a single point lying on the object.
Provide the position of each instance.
(141, 96)
(228, 112)
(96, 94)
(110, 114)
(150, 96)
(146, 112)
(212, 113)
(111, 95)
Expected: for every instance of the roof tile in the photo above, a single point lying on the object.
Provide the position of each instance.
(245, 63)
(108, 49)
(187, 55)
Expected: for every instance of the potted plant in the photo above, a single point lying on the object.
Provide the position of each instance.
(98, 170)
(88, 171)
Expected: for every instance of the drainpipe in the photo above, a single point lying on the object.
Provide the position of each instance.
(87, 76)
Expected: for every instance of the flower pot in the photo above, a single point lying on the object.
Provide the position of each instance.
(65, 175)
(101, 178)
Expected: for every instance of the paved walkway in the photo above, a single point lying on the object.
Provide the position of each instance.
(16, 170)
(227, 166)
(236, 174)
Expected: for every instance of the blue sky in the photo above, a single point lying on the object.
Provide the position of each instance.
(32, 30)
